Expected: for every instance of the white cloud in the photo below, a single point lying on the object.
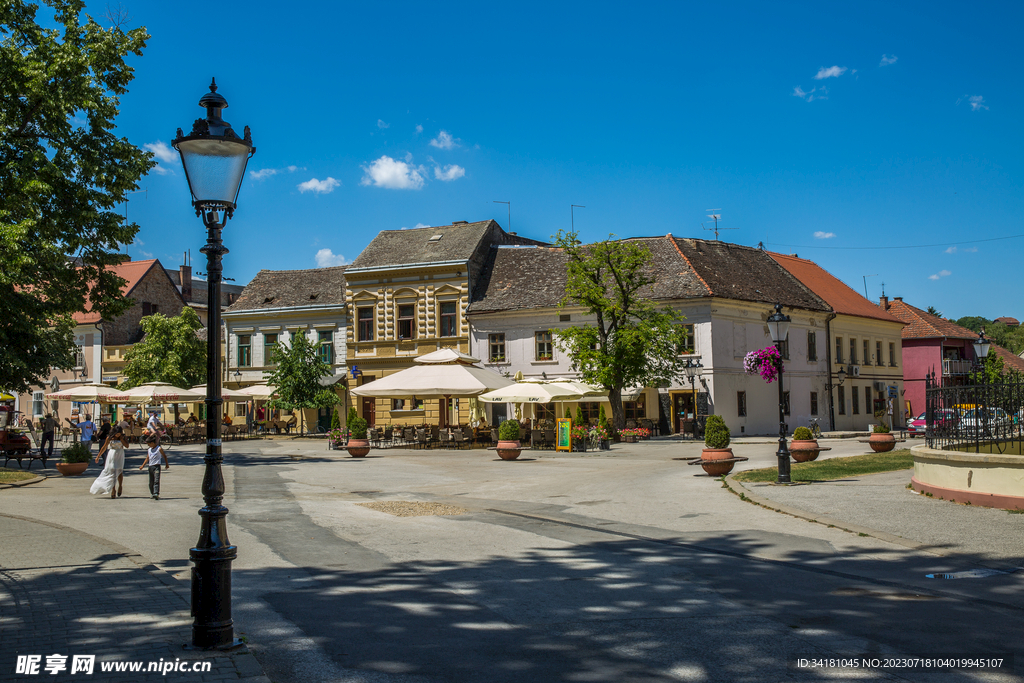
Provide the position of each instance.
(163, 153)
(951, 250)
(382, 125)
(325, 186)
(977, 103)
(419, 129)
(971, 250)
(325, 258)
(814, 94)
(829, 72)
(887, 60)
(444, 140)
(393, 174)
(267, 172)
(822, 235)
(450, 172)
(940, 274)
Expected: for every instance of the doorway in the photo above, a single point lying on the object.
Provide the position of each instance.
(682, 413)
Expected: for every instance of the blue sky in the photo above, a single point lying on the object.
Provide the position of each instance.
(818, 129)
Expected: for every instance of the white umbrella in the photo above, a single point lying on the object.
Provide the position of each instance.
(441, 374)
(155, 392)
(85, 393)
(227, 394)
(539, 392)
(260, 392)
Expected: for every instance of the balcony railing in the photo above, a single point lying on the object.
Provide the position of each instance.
(956, 367)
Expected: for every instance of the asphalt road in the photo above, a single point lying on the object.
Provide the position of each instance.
(621, 566)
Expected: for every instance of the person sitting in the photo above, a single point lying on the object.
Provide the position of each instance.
(292, 421)
(227, 419)
(191, 419)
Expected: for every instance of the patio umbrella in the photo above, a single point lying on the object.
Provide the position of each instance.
(226, 394)
(155, 392)
(441, 374)
(259, 392)
(85, 393)
(540, 392)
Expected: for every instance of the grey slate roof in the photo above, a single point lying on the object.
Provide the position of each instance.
(291, 288)
(458, 242)
(520, 279)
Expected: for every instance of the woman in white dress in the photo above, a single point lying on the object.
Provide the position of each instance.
(113, 468)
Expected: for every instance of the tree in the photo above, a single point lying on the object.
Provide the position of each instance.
(934, 311)
(62, 172)
(298, 374)
(633, 343)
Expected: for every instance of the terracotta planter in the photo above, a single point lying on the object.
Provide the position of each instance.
(802, 450)
(358, 448)
(71, 469)
(880, 443)
(509, 450)
(708, 457)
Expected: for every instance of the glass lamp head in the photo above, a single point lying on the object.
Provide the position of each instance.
(778, 325)
(982, 345)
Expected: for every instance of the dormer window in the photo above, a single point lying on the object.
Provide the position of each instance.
(435, 238)
(312, 297)
(268, 299)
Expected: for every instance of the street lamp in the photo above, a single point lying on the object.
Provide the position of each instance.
(981, 347)
(214, 158)
(693, 370)
(778, 327)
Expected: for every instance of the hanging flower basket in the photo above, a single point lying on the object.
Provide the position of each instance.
(764, 362)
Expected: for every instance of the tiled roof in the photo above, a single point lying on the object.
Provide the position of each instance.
(132, 272)
(1010, 361)
(1007, 320)
(841, 297)
(922, 325)
(516, 278)
(731, 271)
(457, 242)
(293, 288)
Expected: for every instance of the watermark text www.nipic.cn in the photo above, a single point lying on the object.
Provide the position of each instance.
(31, 665)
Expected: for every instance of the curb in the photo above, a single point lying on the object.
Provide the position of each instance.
(26, 482)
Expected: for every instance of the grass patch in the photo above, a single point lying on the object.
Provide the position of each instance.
(836, 468)
(8, 475)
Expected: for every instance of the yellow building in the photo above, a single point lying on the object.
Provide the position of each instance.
(407, 295)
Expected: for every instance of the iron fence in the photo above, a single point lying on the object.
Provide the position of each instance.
(974, 417)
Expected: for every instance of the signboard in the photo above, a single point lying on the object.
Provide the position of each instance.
(563, 434)
(893, 393)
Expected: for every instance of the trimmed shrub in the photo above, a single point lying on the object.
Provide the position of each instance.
(568, 413)
(801, 434)
(335, 419)
(509, 431)
(716, 434)
(76, 452)
(357, 427)
(881, 428)
(579, 416)
(602, 419)
(352, 414)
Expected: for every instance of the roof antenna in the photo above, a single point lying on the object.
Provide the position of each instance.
(866, 285)
(716, 216)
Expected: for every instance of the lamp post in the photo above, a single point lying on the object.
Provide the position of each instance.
(981, 347)
(693, 370)
(778, 327)
(214, 157)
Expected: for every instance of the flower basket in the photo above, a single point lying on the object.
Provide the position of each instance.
(764, 362)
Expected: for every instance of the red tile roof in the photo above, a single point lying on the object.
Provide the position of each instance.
(133, 272)
(836, 293)
(922, 325)
(1008, 321)
(1010, 360)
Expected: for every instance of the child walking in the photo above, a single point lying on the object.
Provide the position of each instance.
(153, 457)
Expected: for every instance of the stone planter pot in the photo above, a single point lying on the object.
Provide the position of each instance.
(358, 448)
(509, 450)
(71, 469)
(802, 450)
(708, 457)
(880, 443)
(629, 438)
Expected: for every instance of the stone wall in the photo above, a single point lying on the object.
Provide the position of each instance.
(155, 288)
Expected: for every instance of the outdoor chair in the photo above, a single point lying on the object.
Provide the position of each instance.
(444, 439)
(65, 434)
(422, 438)
(459, 438)
(536, 439)
(630, 424)
(494, 434)
(549, 438)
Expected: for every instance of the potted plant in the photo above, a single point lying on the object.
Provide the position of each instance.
(803, 448)
(73, 460)
(599, 436)
(579, 438)
(358, 446)
(716, 447)
(508, 440)
(628, 435)
(881, 440)
(336, 439)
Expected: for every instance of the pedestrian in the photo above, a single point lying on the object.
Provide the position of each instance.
(49, 424)
(154, 455)
(101, 436)
(113, 466)
(154, 427)
(88, 429)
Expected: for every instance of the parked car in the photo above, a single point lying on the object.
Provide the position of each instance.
(943, 417)
(987, 420)
(917, 426)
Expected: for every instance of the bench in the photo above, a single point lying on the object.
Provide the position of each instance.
(30, 454)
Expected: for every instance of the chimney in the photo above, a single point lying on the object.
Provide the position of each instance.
(185, 277)
(883, 301)
(897, 298)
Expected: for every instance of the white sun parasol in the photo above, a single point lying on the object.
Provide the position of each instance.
(259, 392)
(226, 394)
(155, 392)
(441, 374)
(85, 393)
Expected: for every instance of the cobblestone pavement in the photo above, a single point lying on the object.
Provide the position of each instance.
(63, 592)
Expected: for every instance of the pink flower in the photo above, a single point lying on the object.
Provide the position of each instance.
(764, 362)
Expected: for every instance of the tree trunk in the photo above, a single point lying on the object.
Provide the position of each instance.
(618, 414)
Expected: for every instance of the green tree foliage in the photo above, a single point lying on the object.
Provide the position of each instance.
(1011, 338)
(716, 433)
(992, 370)
(633, 342)
(298, 374)
(169, 352)
(509, 431)
(579, 416)
(335, 420)
(62, 173)
(934, 311)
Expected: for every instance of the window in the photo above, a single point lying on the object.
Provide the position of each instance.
(635, 410)
(878, 353)
(544, 348)
(325, 339)
(867, 352)
(148, 309)
(785, 402)
(449, 328)
(269, 342)
(892, 355)
(398, 404)
(784, 348)
(853, 351)
(591, 411)
(239, 409)
(814, 403)
(842, 400)
(564, 318)
(406, 320)
(546, 411)
(741, 404)
(812, 345)
(839, 349)
(855, 395)
(79, 357)
(365, 316)
(687, 344)
(37, 404)
(496, 343)
(867, 401)
(245, 350)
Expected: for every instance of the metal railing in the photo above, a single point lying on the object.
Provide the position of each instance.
(974, 417)
(957, 367)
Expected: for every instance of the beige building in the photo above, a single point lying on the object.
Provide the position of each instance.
(407, 295)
